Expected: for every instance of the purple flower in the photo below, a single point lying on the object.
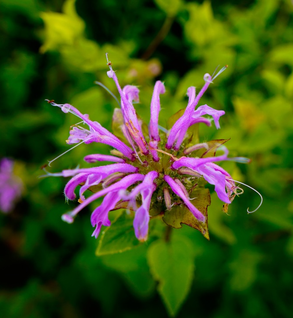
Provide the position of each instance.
(181, 192)
(146, 171)
(215, 175)
(10, 186)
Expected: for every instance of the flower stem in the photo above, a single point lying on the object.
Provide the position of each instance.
(168, 233)
(158, 39)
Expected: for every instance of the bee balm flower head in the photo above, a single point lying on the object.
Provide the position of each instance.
(154, 174)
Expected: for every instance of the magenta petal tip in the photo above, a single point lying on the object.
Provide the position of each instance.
(67, 218)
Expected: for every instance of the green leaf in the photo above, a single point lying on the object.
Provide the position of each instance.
(282, 54)
(29, 120)
(83, 55)
(268, 213)
(179, 214)
(171, 7)
(244, 269)
(129, 261)
(62, 28)
(87, 102)
(266, 9)
(172, 265)
(119, 237)
(203, 30)
(258, 142)
(275, 80)
(289, 246)
(194, 76)
(140, 282)
(133, 267)
(289, 87)
(216, 218)
(249, 113)
(172, 120)
(201, 19)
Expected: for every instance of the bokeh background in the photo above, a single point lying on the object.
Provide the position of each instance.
(56, 50)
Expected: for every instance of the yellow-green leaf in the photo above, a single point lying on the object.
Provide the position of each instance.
(171, 7)
(172, 120)
(62, 28)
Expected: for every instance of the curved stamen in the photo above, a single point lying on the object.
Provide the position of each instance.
(220, 71)
(164, 152)
(77, 124)
(49, 164)
(138, 157)
(238, 191)
(215, 70)
(65, 109)
(239, 159)
(163, 129)
(107, 89)
(109, 62)
(209, 79)
(50, 174)
(261, 197)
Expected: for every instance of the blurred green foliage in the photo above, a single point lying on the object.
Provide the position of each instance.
(56, 50)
